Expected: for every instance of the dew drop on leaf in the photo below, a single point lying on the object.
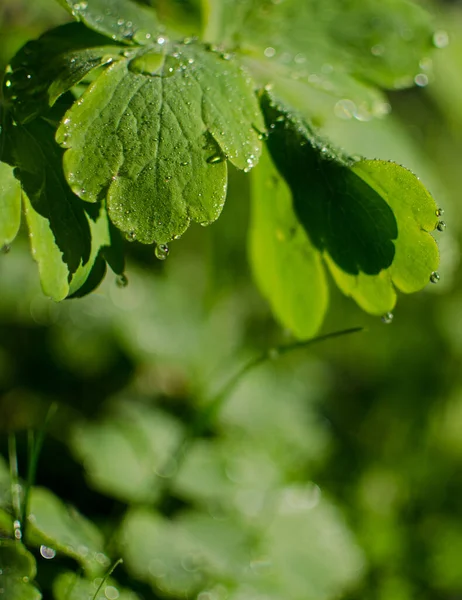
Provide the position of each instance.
(439, 212)
(216, 158)
(387, 318)
(434, 277)
(441, 226)
(47, 552)
(161, 251)
(122, 281)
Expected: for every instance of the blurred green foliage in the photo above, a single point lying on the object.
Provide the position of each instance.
(329, 473)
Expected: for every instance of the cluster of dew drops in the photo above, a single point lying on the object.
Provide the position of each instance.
(387, 318)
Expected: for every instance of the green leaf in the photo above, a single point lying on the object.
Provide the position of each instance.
(284, 261)
(151, 134)
(17, 569)
(416, 252)
(120, 20)
(126, 462)
(69, 586)
(10, 205)
(46, 68)
(66, 234)
(382, 43)
(313, 50)
(63, 529)
(342, 215)
(370, 220)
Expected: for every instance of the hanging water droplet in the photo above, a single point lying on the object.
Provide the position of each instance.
(434, 277)
(387, 318)
(439, 212)
(47, 553)
(441, 226)
(122, 281)
(161, 251)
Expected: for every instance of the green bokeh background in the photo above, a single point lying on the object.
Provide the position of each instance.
(333, 472)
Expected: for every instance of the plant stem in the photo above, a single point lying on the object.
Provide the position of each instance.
(14, 476)
(106, 577)
(34, 449)
(207, 415)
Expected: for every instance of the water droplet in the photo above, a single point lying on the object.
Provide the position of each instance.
(161, 40)
(440, 39)
(147, 64)
(378, 50)
(111, 592)
(434, 277)
(441, 226)
(161, 251)
(17, 530)
(269, 52)
(216, 158)
(122, 281)
(47, 553)
(387, 318)
(5, 249)
(421, 79)
(345, 109)
(439, 212)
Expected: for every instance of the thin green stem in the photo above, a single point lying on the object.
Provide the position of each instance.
(35, 444)
(207, 415)
(106, 577)
(14, 476)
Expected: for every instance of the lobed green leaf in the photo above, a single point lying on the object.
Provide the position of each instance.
(152, 135)
(369, 220)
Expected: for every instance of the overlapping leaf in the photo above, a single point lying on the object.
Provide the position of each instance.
(152, 134)
(286, 266)
(370, 220)
(17, 571)
(46, 68)
(10, 205)
(121, 20)
(343, 49)
(66, 236)
(63, 529)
